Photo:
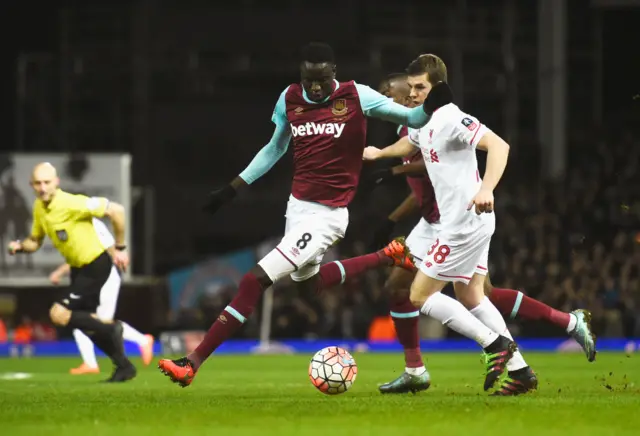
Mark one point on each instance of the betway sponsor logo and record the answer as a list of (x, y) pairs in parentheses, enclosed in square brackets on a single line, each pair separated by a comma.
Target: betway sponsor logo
[(312, 128)]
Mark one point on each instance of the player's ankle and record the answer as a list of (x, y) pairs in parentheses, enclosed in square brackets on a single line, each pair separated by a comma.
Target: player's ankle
[(384, 257), (417, 371), (573, 320)]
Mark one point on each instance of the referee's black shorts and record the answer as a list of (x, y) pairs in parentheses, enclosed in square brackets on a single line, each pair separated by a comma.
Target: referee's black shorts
[(87, 283)]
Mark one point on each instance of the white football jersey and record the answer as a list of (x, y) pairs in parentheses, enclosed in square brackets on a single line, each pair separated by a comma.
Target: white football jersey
[(448, 144)]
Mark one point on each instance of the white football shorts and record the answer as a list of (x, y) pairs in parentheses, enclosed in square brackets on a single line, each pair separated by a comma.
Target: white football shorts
[(456, 257), (311, 229), (421, 238)]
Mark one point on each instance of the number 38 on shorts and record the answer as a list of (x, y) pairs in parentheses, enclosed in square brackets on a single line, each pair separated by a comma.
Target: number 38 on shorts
[(439, 252), (457, 258)]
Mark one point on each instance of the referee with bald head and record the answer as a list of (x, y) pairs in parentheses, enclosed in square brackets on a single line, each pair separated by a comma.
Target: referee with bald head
[(68, 220)]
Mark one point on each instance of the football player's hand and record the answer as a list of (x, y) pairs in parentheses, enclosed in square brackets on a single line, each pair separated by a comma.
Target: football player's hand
[(218, 197), (382, 235), (121, 259), (371, 153), (483, 201), (439, 96), (14, 247)]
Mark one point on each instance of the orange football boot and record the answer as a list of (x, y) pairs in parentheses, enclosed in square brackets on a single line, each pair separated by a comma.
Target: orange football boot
[(398, 252), (179, 371), (84, 369), (146, 350)]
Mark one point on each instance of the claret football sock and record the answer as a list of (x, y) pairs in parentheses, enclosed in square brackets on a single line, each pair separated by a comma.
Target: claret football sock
[(230, 320), (405, 319), (514, 304), (336, 273)]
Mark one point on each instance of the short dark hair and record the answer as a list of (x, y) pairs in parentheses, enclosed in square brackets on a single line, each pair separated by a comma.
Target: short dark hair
[(431, 65), (317, 53), (385, 84)]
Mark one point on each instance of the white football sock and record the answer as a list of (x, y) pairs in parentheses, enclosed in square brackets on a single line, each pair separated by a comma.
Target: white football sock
[(573, 320), (415, 371), (132, 335), (455, 316), (492, 318), (87, 351)]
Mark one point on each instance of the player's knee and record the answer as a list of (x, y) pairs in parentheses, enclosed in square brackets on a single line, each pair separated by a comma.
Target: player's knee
[(260, 275), (470, 295), (487, 288), (59, 314), (309, 285), (273, 267), (418, 296)]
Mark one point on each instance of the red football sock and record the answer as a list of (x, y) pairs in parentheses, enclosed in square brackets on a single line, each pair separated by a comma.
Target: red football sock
[(405, 319), (230, 320), (514, 303), (335, 273)]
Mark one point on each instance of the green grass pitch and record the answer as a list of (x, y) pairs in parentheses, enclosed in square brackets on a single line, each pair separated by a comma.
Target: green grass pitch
[(272, 395)]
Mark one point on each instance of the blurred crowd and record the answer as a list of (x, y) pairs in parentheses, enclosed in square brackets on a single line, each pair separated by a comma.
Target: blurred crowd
[(573, 243)]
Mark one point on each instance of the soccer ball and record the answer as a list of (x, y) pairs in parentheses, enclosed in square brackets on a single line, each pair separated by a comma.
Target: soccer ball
[(333, 370)]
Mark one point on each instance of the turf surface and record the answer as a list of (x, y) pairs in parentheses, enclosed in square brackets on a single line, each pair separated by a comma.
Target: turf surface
[(263, 395)]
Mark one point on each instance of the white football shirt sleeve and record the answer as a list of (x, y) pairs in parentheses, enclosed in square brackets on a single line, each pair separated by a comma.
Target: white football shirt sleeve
[(414, 137), (468, 129)]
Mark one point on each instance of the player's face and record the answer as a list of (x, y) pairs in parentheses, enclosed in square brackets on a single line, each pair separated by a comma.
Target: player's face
[(317, 80), (399, 92), (419, 88), (44, 185)]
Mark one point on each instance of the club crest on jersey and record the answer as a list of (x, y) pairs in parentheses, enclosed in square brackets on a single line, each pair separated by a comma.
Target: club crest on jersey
[(62, 235), (339, 107), (469, 124)]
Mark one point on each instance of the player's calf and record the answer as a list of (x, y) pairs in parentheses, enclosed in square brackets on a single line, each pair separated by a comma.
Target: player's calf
[(112, 345)]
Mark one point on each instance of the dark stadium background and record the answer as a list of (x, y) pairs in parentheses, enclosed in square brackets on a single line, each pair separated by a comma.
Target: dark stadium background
[(188, 89)]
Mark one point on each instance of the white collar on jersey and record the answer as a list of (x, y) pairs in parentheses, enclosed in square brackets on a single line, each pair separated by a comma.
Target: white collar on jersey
[(304, 94)]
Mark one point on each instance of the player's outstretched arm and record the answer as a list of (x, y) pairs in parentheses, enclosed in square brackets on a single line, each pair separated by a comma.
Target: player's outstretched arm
[(259, 166), (400, 149), (377, 105), (117, 215), (417, 168), (30, 244), (58, 273), (378, 176), (497, 155), (261, 163), (404, 209)]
